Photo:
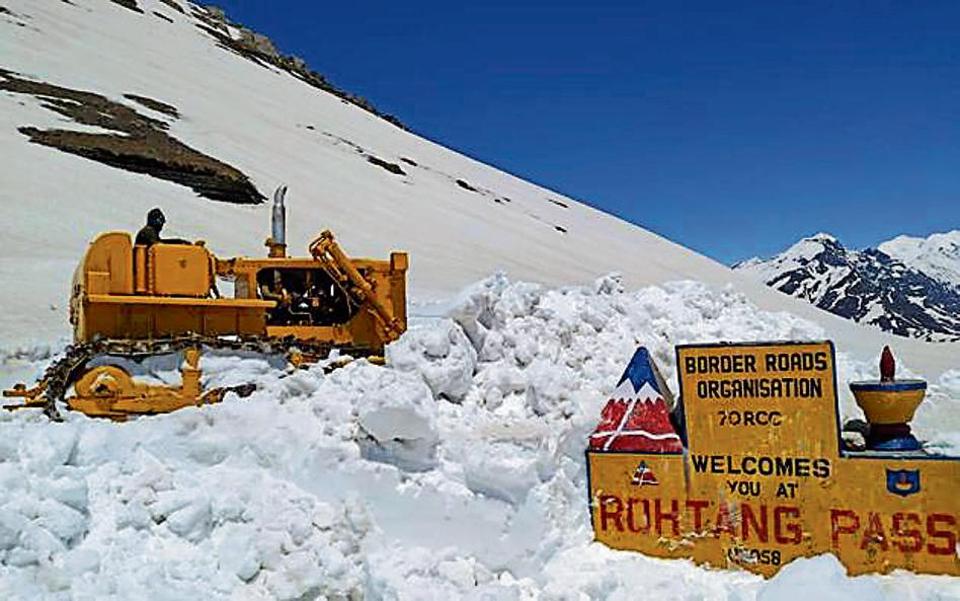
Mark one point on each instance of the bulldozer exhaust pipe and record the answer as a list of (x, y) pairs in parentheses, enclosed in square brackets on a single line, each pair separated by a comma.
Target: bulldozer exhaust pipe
[(278, 222)]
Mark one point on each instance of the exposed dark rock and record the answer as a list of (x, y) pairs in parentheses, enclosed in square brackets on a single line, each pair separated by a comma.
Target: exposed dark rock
[(150, 103), (463, 184), (560, 229), (174, 5), (340, 140), (163, 16), (498, 201), (212, 16), (559, 204), (408, 161), (139, 144), (391, 167), (173, 161), (131, 4), (507, 199), (258, 47), (360, 150), (87, 108), (310, 127), (6, 11), (263, 46)]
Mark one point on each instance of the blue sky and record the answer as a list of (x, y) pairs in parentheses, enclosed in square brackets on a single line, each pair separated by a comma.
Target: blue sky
[(731, 128)]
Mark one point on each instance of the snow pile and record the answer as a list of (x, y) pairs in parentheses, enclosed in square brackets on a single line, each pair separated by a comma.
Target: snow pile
[(822, 578), (950, 380), (546, 352), (79, 520), (456, 471)]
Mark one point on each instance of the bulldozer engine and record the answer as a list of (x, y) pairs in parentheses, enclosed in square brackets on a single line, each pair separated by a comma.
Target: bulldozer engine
[(136, 301), (304, 297)]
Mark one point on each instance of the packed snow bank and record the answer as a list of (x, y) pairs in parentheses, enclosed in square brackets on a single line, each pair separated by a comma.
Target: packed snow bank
[(825, 579), (456, 471)]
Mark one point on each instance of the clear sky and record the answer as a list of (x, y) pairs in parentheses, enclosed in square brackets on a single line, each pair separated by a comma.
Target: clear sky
[(731, 128)]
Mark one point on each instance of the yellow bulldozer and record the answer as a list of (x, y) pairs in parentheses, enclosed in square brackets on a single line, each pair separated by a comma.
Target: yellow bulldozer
[(132, 301)]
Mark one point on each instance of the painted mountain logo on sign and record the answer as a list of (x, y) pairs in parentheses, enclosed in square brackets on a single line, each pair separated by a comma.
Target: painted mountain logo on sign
[(643, 476), (636, 418)]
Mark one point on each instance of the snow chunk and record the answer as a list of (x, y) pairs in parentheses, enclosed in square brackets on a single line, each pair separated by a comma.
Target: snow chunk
[(396, 415), (822, 578), (441, 354)]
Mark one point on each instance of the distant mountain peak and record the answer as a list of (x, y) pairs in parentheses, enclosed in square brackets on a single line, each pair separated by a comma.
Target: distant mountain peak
[(824, 237), (937, 255), (813, 245), (872, 286)]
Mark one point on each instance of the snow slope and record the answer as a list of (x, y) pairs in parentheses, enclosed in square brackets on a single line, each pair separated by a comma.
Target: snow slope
[(277, 129), (937, 255)]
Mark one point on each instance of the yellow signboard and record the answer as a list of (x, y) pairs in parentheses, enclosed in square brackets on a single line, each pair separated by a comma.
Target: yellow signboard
[(764, 479)]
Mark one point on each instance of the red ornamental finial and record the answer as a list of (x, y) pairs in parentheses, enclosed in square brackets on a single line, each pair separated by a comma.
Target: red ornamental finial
[(887, 365)]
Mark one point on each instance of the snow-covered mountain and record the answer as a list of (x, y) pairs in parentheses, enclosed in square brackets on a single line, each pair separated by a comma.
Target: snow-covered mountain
[(866, 286), (937, 255)]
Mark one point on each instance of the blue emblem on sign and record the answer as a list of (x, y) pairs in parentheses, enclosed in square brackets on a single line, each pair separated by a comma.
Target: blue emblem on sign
[(903, 482)]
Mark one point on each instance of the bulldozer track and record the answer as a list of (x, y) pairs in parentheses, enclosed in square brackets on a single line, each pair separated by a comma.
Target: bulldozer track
[(63, 371)]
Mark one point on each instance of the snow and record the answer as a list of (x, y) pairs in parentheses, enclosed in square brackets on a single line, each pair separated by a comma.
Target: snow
[(821, 578), (457, 470), (443, 355), (377, 482), (625, 391)]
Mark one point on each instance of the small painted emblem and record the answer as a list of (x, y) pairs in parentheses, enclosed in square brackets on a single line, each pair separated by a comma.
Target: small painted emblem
[(903, 482), (643, 476)]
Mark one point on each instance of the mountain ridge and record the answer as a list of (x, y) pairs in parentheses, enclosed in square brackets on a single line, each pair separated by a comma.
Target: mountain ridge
[(865, 286), (937, 255)]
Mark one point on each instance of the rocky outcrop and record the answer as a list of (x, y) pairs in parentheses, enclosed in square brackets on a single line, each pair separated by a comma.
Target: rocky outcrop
[(258, 47)]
